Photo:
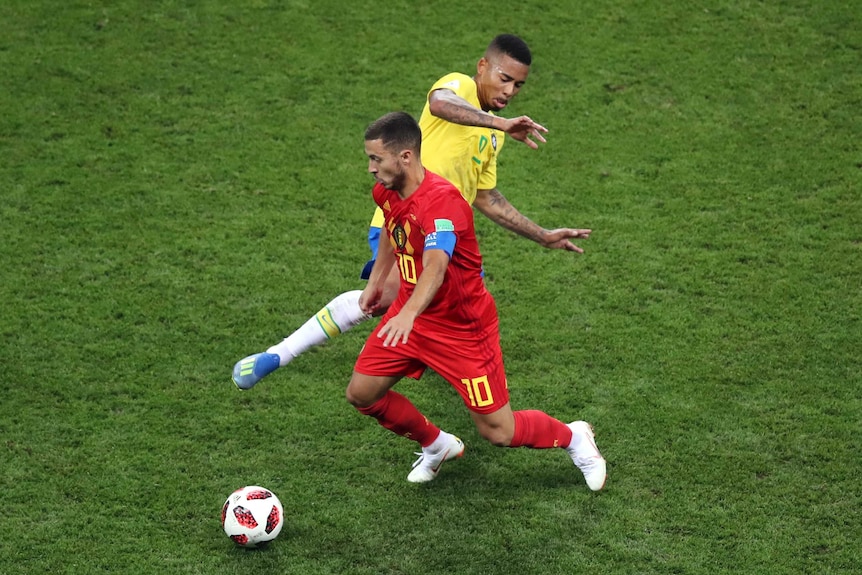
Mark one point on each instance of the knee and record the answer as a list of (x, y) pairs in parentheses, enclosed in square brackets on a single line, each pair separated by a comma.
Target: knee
[(363, 392), (357, 399), (356, 395), (497, 436), (351, 398)]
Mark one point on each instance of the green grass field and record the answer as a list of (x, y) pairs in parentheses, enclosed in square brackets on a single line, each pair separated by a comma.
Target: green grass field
[(183, 183)]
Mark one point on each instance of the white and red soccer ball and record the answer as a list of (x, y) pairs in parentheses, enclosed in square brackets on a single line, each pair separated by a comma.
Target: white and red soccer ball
[(252, 516)]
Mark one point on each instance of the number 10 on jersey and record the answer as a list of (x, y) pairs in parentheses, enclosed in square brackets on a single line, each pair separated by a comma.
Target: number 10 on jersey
[(478, 391), (407, 265)]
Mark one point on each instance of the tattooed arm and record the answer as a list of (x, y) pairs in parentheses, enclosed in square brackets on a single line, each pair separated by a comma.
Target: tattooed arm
[(498, 209), (449, 106)]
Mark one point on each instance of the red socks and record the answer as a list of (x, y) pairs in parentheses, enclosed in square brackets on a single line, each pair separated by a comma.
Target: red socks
[(395, 412), (538, 430), (533, 428)]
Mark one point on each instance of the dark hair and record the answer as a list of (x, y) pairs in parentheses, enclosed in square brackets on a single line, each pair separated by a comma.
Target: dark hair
[(513, 46), (397, 130)]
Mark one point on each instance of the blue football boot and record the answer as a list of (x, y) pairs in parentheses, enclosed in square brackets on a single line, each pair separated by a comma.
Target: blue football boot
[(247, 372)]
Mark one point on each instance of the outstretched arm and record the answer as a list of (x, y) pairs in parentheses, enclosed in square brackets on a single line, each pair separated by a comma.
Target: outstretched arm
[(498, 209), (451, 107)]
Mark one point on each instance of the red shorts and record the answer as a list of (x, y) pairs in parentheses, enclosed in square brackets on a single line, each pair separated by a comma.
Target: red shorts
[(473, 366)]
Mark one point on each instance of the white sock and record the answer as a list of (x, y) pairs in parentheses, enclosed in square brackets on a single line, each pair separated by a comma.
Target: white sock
[(577, 440), (336, 317), (439, 443)]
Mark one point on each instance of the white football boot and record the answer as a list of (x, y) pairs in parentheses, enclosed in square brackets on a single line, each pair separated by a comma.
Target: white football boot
[(586, 456), (429, 463)]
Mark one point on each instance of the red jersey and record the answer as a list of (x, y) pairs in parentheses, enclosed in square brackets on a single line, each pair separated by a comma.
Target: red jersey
[(462, 306)]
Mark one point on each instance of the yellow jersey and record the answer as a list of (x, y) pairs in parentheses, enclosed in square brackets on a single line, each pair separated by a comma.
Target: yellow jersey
[(464, 155)]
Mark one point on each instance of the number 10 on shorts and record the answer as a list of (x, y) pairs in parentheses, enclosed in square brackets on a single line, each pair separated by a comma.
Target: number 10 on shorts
[(479, 391)]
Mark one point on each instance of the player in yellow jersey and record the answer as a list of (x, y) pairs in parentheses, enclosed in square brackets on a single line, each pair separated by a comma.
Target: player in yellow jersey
[(461, 138)]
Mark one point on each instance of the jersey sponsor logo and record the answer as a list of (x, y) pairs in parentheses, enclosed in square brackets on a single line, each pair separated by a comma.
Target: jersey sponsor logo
[(444, 225), (494, 141), (453, 84)]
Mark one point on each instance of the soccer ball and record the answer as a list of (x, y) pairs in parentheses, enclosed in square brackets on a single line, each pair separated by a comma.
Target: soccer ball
[(252, 516)]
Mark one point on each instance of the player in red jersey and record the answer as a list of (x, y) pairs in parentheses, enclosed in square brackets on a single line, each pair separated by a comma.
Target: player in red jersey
[(443, 317)]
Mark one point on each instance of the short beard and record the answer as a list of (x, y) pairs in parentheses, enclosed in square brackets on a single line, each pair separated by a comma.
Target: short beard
[(398, 181)]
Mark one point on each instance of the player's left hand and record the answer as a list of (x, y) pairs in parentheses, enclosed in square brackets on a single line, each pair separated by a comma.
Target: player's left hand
[(525, 130), (396, 330), (559, 239)]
